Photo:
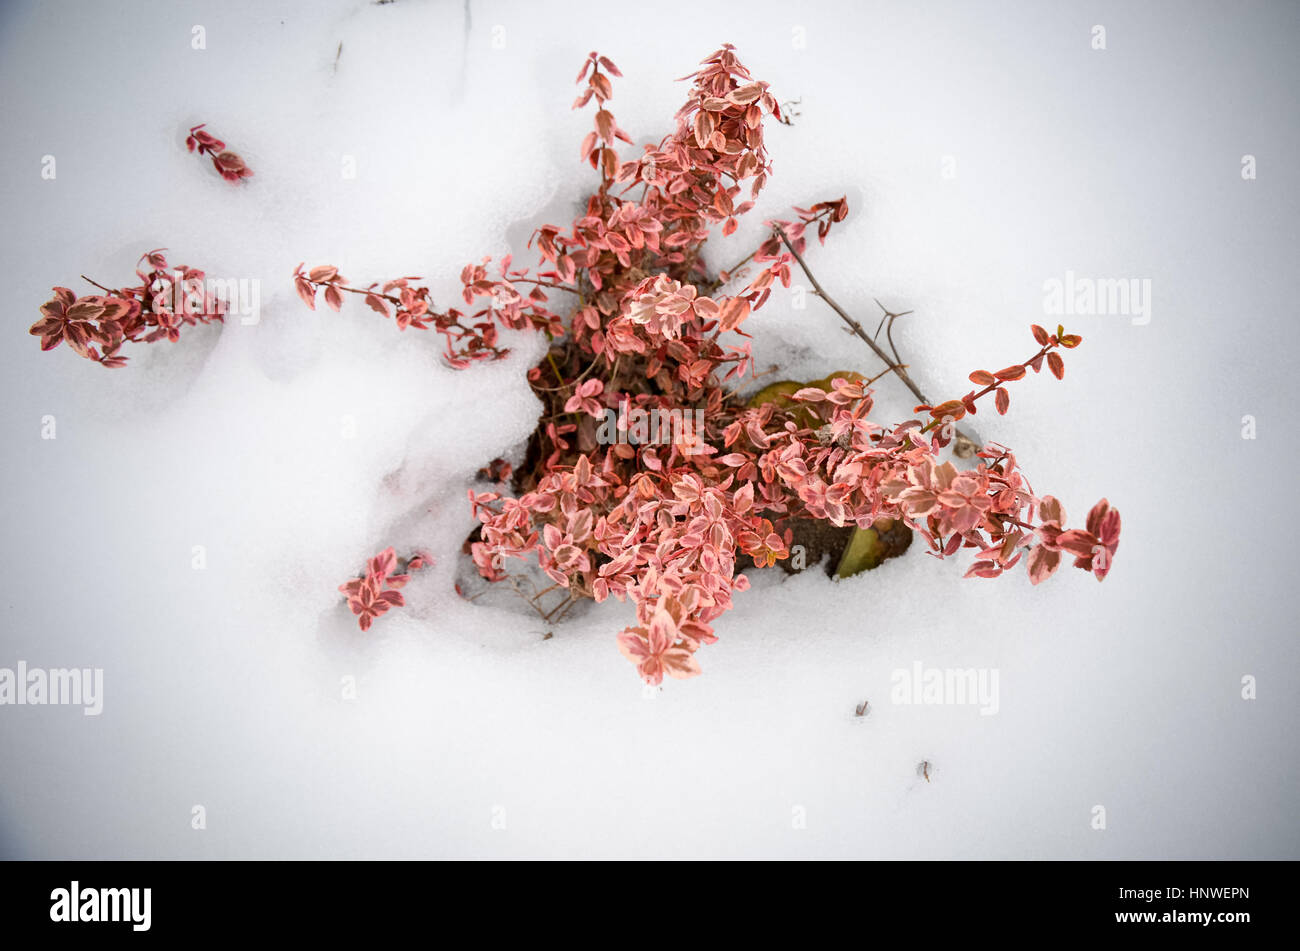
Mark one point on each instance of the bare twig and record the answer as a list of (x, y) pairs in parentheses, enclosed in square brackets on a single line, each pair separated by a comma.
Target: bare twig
[(964, 445), (568, 387), (97, 284), (854, 326), (885, 372), (563, 608)]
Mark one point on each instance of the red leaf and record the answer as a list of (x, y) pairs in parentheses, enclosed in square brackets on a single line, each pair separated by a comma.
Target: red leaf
[(1040, 335), (982, 378), (1042, 564), (1056, 364), (734, 312), (1003, 399), (953, 408), (1011, 373), (307, 292), (1076, 542)]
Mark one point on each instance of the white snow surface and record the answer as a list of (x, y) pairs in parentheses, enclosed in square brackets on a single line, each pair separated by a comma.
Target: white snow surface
[(471, 734)]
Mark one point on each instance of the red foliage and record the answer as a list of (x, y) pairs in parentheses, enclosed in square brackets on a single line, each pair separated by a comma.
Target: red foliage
[(228, 165), (663, 522), (376, 591), (97, 325)]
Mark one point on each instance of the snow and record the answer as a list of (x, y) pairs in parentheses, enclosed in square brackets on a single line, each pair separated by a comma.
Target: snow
[(472, 734)]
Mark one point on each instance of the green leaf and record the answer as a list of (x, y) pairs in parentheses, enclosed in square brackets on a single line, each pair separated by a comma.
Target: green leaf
[(863, 552), (868, 547), (778, 393)]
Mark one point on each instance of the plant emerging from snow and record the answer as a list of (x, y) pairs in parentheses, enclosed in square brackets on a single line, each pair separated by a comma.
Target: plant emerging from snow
[(377, 590), (663, 524)]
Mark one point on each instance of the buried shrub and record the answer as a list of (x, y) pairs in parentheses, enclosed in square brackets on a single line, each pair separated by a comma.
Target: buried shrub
[(610, 500), (611, 505)]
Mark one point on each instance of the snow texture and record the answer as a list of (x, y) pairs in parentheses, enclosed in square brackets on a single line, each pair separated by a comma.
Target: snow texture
[(471, 733)]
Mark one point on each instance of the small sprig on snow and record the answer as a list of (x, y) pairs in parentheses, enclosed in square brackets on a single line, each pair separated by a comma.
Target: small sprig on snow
[(516, 301), (96, 326), (953, 410), (228, 164), (373, 593)]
